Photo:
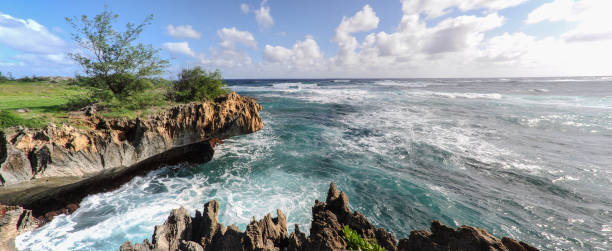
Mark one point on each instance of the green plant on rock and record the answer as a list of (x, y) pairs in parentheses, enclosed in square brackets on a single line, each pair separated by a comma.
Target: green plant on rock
[(196, 84), (356, 242)]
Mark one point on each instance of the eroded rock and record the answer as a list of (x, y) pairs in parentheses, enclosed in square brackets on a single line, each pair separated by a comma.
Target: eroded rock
[(329, 217), (14, 220)]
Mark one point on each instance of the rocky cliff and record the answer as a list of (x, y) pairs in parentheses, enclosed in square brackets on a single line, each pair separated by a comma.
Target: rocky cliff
[(14, 220), (204, 232), (49, 171)]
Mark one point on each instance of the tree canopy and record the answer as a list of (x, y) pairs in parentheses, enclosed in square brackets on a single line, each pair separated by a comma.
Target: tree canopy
[(114, 60)]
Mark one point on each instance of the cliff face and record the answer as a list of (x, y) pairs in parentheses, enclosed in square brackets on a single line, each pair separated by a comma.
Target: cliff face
[(66, 151), (47, 172), (204, 232)]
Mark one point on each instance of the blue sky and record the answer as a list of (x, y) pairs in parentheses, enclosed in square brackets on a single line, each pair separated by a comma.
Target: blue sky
[(348, 38)]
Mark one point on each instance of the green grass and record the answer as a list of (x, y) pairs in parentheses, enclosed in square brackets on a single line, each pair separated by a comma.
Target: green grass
[(44, 101), (356, 242), (9, 118)]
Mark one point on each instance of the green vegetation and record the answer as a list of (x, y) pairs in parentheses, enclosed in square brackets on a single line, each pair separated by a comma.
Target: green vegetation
[(9, 118), (117, 68), (43, 101), (119, 79), (356, 242), (5, 78), (197, 84)]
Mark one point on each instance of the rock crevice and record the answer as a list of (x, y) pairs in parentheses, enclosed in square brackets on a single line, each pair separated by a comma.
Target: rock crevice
[(204, 232)]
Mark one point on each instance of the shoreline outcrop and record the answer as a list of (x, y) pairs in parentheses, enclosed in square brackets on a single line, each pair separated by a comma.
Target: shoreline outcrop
[(48, 171), (204, 232)]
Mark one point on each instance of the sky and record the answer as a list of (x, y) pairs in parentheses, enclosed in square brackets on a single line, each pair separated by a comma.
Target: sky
[(330, 38)]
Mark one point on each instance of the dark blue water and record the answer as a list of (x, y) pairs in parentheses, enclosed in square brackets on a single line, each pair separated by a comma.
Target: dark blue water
[(525, 158)]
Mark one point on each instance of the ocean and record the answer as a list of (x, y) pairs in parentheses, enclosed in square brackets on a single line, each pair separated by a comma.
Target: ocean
[(528, 158)]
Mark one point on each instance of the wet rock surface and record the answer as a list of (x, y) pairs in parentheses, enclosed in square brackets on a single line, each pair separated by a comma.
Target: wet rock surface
[(204, 232)]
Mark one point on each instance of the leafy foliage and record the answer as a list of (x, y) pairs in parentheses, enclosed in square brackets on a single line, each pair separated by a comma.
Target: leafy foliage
[(112, 59), (356, 242), (9, 118), (141, 94), (197, 84)]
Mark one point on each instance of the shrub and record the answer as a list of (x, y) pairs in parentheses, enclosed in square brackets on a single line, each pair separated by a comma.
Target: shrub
[(197, 84), (9, 118), (356, 242), (141, 93)]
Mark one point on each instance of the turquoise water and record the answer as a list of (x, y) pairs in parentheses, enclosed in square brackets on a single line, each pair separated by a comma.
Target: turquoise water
[(525, 158)]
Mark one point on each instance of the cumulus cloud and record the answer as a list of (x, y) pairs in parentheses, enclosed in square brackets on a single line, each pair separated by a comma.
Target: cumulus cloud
[(263, 17), (592, 18), (182, 31), (461, 32), (179, 48), (245, 8), (363, 20), (230, 36), (28, 36), (304, 54)]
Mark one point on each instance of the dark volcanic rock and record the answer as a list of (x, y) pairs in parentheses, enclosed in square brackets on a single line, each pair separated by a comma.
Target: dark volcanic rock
[(328, 219), (442, 237)]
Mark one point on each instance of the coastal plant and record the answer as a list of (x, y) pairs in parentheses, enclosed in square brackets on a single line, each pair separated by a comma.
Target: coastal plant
[(111, 59), (356, 242), (197, 84)]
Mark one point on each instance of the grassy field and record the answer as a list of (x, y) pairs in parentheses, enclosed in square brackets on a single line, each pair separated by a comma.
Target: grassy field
[(43, 101)]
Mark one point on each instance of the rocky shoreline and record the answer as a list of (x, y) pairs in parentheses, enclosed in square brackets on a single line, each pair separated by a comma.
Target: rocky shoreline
[(49, 171), (204, 232)]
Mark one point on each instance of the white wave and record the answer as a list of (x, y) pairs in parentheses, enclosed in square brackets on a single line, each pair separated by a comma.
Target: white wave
[(403, 83), (564, 178), (104, 221), (341, 80), (539, 90), (455, 95)]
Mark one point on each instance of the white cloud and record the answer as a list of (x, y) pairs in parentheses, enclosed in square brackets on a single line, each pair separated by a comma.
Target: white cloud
[(442, 7), (455, 34), (363, 20), (263, 17), (230, 36), (245, 8), (277, 54), (453, 46), (592, 17), (304, 54), (28, 36), (179, 48), (182, 31)]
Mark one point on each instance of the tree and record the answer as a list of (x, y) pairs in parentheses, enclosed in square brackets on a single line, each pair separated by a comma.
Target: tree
[(112, 59), (197, 84)]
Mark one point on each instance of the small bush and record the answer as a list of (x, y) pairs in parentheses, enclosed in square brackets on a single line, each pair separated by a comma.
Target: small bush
[(9, 118), (356, 242), (138, 94), (197, 84)]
